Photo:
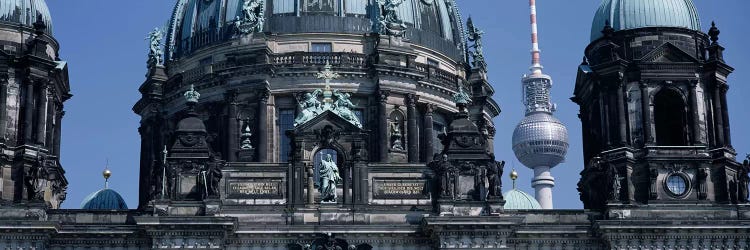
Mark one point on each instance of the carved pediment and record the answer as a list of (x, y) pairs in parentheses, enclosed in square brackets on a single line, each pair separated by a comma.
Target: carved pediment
[(668, 53), (328, 118)]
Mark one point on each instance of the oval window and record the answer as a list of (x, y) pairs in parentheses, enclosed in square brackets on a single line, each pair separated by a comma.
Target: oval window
[(677, 184)]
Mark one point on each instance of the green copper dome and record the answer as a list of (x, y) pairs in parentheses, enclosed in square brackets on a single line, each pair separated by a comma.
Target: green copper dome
[(25, 12), (517, 199), (634, 14), (105, 199)]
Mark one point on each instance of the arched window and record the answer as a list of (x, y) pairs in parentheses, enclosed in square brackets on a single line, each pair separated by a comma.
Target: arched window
[(319, 156), (396, 131), (670, 118)]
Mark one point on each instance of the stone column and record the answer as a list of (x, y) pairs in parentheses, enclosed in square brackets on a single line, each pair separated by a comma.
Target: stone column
[(28, 119), (694, 112), (622, 111), (427, 132), (263, 96), (3, 108), (648, 138), (41, 114), (718, 116), (50, 125), (58, 127), (232, 127), (607, 129), (383, 125), (413, 136), (725, 115)]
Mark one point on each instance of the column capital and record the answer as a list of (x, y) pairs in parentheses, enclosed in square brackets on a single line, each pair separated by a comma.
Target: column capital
[(429, 108), (231, 96), (411, 100), (264, 94), (383, 95), (644, 83)]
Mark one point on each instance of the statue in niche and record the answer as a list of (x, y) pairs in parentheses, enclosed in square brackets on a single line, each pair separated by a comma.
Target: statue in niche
[(390, 22), (744, 180), (35, 182), (329, 178), (309, 107), (343, 107), (155, 51), (475, 36), (209, 178), (444, 176), (396, 142), (616, 183), (252, 17), (494, 178)]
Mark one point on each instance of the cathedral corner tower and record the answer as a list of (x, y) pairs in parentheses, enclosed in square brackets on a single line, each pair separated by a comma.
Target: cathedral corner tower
[(652, 95)]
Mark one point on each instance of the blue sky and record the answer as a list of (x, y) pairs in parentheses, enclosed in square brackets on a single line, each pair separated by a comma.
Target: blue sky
[(103, 41)]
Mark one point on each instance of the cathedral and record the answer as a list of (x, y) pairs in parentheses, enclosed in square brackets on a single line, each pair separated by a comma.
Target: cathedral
[(369, 124)]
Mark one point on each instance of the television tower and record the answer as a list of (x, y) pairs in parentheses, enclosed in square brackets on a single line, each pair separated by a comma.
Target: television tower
[(540, 141)]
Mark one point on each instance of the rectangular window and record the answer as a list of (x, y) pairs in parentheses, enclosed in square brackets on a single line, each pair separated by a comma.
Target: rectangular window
[(321, 47), (286, 122), (433, 63), (361, 116), (323, 7)]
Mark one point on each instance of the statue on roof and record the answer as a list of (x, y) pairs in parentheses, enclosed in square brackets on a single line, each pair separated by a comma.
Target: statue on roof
[(343, 107), (155, 53), (390, 22), (461, 98), (252, 17), (475, 35), (309, 107)]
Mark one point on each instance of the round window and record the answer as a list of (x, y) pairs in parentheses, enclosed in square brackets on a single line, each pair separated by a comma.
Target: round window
[(677, 184)]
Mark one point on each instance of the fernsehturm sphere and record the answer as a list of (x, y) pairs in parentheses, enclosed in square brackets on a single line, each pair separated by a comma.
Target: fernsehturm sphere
[(540, 140)]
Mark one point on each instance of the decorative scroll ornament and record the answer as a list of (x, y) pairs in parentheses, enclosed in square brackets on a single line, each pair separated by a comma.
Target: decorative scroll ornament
[(475, 36), (390, 22), (311, 106), (252, 17), (155, 53)]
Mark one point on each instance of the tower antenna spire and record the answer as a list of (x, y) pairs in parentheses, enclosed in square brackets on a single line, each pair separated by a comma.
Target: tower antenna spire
[(536, 63)]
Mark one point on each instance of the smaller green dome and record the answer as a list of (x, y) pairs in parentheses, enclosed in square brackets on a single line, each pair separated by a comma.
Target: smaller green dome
[(634, 14), (105, 199), (519, 200)]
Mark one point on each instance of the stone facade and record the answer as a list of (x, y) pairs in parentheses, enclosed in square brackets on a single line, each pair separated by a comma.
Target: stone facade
[(224, 167)]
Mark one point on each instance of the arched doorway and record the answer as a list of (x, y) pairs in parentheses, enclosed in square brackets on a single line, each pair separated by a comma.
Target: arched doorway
[(670, 118)]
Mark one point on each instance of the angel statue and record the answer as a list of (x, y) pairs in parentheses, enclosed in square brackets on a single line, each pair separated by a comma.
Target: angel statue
[(343, 107), (155, 51), (475, 35), (309, 107)]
